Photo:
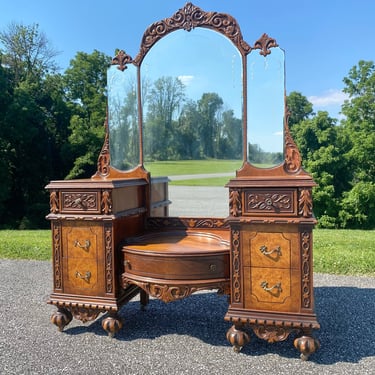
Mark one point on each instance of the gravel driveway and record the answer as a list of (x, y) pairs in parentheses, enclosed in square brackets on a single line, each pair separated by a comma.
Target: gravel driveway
[(184, 337)]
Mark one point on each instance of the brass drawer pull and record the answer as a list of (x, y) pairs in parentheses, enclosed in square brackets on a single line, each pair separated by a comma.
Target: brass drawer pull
[(277, 286), (85, 246), (264, 250), (85, 277), (127, 264), (213, 267)]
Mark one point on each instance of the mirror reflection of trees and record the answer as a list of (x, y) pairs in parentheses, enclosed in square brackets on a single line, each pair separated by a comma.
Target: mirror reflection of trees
[(179, 128)]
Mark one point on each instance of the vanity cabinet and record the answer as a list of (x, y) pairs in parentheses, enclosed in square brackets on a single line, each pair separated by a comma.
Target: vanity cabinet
[(271, 261), (89, 219)]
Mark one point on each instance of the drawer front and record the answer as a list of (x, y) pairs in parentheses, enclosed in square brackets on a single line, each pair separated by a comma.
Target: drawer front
[(81, 276), (83, 248), (272, 289), (267, 249), (82, 241), (78, 202), (177, 268), (270, 202)]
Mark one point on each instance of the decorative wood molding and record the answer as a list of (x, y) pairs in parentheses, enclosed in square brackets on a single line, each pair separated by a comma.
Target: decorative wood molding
[(188, 18), (236, 267), (84, 314), (235, 207), (54, 202), (292, 163), (72, 201), (57, 267), (106, 202), (121, 59), (190, 223), (272, 333), (108, 258), (104, 159), (305, 203), (264, 43), (269, 201), (306, 291)]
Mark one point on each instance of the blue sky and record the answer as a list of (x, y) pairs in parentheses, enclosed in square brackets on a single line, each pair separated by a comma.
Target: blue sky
[(323, 39)]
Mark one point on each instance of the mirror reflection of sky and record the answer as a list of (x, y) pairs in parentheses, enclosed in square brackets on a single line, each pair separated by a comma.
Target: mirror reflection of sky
[(204, 61)]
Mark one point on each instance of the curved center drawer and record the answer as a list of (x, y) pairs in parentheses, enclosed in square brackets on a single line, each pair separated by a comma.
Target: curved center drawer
[(177, 256)]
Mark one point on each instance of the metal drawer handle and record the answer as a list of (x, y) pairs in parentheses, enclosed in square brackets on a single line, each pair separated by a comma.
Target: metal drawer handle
[(264, 250), (85, 246), (85, 277), (277, 286), (213, 267)]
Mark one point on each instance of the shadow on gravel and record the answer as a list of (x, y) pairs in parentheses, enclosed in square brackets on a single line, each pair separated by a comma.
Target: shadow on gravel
[(346, 316)]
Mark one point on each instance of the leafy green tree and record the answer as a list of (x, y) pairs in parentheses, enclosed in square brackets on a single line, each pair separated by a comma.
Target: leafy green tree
[(85, 85), (299, 107)]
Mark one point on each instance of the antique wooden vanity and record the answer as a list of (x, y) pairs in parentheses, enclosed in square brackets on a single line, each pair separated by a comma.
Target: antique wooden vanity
[(113, 237)]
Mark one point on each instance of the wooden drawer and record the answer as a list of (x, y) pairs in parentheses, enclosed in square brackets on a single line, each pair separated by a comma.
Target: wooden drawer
[(82, 245), (80, 201), (271, 250), (272, 289)]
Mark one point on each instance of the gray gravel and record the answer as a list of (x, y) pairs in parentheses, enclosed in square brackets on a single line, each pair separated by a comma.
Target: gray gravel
[(184, 337)]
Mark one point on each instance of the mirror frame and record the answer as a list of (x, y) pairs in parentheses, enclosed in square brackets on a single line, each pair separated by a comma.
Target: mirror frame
[(188, 18)]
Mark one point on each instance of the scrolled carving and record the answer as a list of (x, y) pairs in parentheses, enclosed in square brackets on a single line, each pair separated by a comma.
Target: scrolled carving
[(56, 233), (292, 162), (187, 18), (104, 159), (272, 333), (264, 43), (121, 59), (79, 201), (84, 314), (108, 258), (178, 222), (269, 201)]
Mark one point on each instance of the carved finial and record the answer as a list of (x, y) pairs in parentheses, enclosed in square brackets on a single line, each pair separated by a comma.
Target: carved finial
[(121, 59), (264, 43)]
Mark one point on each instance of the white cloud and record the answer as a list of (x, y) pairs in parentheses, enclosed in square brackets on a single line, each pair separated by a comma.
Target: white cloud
[(328, 98), (278, 133), (186, 80)]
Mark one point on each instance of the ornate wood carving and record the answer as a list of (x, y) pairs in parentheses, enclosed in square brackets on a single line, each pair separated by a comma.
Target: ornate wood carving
[(56, 233), (175, 222), (305, 203), (187, 18), (106, 202), (79, 201), (84, 314), (264, 43), (108, 258), (104, 159), (306, 283), (121, 59), (272, 333), (269, 201), (236, 267), (171, 292), (54, 201), (292, 163), (235, 207)]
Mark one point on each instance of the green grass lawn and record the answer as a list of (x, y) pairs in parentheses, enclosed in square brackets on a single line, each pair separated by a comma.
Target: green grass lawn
[(344, 252)]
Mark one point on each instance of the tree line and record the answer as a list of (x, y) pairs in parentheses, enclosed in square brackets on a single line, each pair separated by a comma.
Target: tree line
[(51, 127)]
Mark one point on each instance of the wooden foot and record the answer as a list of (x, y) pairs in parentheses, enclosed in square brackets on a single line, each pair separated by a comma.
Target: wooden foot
[(61, 318), (237, 337), (307, 345), (112, 324)]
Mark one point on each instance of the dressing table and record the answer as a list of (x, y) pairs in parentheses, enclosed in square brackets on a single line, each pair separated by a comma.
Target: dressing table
[(113, 237)]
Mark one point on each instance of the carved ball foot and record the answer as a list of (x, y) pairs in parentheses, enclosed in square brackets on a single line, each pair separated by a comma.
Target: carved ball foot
[(307, 345), (61, 318), (237, 338), (112, 324)]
